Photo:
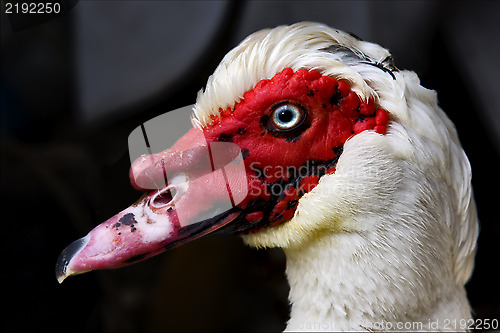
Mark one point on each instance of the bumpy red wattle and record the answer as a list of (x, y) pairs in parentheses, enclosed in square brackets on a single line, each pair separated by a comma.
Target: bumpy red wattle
[(334, 114)]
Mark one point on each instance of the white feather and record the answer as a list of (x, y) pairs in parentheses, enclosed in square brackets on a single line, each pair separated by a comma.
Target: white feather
[(267, 52), (391, 236)]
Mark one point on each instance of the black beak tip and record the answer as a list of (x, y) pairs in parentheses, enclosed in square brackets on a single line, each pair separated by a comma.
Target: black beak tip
[(65, 257)]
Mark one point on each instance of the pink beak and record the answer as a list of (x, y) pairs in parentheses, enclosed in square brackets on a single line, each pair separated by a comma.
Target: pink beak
[(194, 189)]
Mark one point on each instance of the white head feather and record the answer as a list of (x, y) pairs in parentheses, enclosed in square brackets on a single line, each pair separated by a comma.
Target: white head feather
[(267, 52), (392, 234)]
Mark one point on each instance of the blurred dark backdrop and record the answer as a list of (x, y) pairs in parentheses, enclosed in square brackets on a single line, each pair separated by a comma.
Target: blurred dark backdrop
[(73, 88)]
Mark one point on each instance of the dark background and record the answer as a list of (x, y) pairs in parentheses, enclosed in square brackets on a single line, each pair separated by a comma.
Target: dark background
[(75, 86)]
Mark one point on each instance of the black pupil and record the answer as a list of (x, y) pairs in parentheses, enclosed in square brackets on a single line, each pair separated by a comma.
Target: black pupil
[(285, 116)]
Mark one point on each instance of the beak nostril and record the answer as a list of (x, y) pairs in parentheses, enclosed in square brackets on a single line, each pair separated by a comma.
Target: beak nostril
[(169, 195), (163, 197)]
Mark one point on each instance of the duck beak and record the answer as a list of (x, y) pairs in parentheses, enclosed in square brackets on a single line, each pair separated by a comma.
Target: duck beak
[(192, 190), (134, 234)]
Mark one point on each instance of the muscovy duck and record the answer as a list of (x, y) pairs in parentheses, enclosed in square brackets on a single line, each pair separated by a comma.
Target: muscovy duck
[(349, 165)]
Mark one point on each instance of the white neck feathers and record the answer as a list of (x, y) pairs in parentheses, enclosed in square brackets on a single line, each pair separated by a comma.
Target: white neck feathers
[(354, 282)]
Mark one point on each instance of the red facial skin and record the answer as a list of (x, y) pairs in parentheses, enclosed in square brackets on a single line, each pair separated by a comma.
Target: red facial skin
[(281, 166), (334, 114)]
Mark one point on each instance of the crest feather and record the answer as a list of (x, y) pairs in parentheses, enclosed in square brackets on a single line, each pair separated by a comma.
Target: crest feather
[(303, 45)]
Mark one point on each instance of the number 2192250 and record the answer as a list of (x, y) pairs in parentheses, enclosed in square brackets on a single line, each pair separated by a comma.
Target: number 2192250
[(32, 8)]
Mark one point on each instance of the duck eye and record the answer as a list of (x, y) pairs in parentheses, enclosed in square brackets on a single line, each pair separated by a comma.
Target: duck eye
[(286, 116)]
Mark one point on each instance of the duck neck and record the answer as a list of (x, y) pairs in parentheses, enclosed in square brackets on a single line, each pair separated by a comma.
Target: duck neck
[(349, 282)]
